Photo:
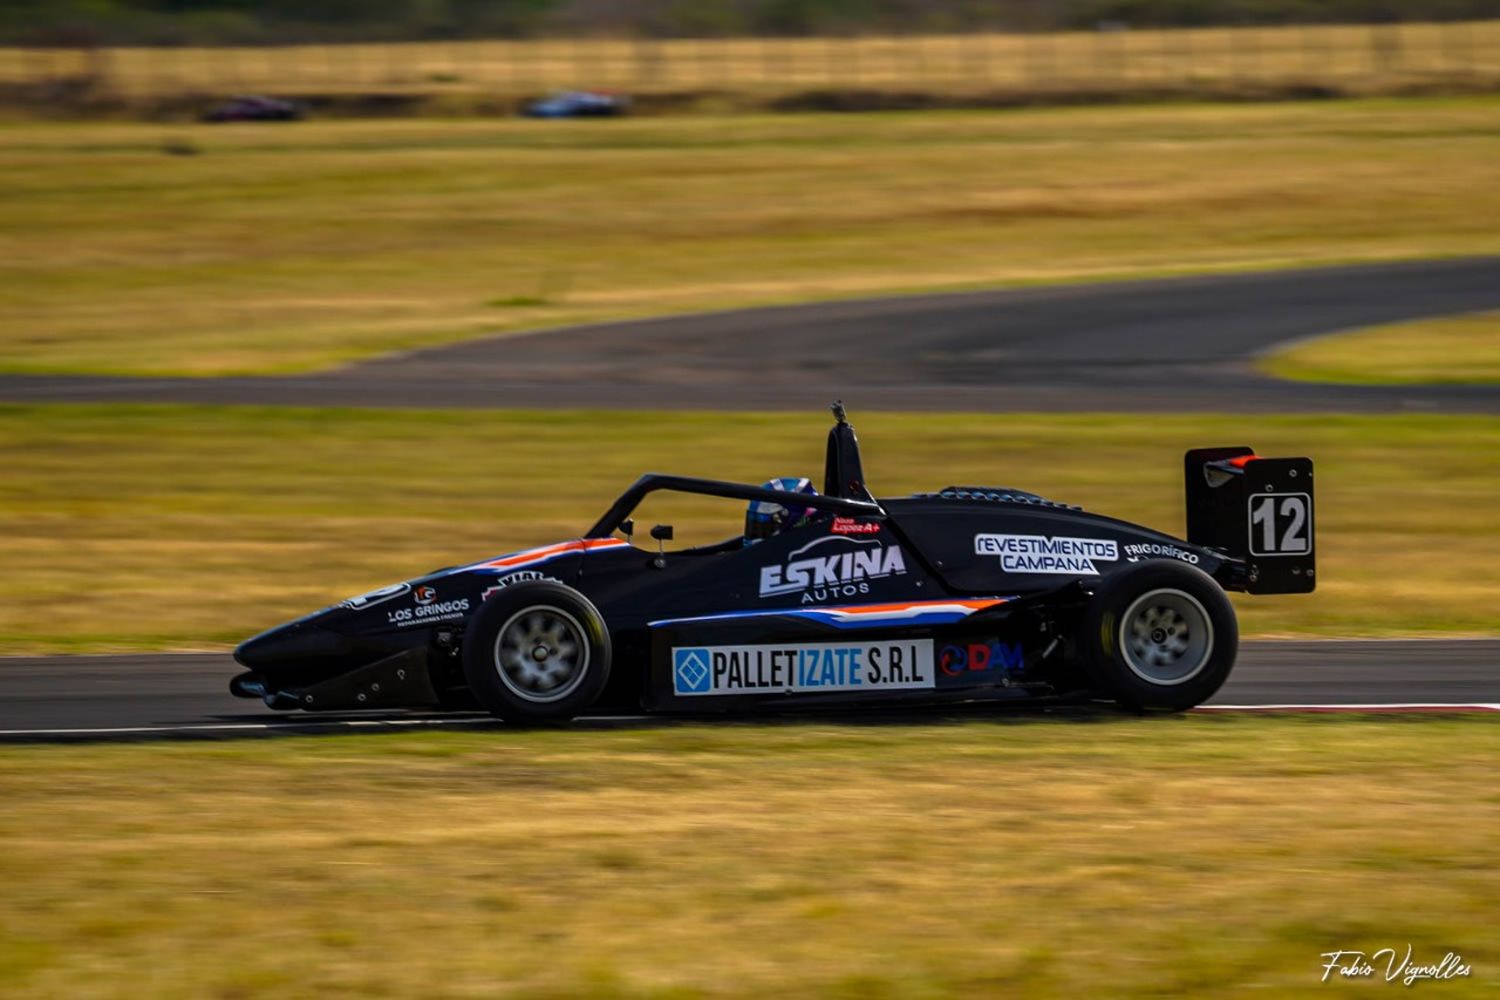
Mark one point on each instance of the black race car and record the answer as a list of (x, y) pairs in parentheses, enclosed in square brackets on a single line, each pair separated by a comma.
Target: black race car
[(962, 594)]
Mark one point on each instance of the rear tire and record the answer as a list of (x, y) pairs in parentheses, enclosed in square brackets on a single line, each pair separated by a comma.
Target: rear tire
[(1160, 635), (537, 652)]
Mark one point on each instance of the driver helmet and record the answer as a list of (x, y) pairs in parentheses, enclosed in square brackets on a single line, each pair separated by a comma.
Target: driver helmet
[(763, 519)]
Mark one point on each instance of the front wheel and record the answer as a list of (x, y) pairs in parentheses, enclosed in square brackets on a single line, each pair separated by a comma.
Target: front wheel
[(536, 652), (1159, 635)]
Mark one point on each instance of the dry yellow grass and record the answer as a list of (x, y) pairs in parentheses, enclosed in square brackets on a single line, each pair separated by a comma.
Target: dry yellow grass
[(1455, 349), (1357, 57), (298, 247), (988, 857)]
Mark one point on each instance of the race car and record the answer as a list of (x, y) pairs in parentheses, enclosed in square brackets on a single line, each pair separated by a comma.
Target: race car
[(253, 108), (965, 593), (578, 104)]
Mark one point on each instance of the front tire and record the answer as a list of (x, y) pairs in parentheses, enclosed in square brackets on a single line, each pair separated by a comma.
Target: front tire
[(1159, 635), (537, 652)]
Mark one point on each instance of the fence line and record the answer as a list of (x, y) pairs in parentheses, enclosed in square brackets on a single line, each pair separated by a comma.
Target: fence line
[(1165, 58)]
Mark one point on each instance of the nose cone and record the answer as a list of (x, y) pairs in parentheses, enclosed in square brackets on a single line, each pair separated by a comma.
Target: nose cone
[(291, 645)]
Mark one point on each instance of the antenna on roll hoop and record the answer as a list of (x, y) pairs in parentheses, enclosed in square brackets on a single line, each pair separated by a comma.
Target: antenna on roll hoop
[(842, 474)]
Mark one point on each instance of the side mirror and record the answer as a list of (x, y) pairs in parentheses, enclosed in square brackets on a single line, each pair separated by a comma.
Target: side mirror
[(663, 534), (628, 526)]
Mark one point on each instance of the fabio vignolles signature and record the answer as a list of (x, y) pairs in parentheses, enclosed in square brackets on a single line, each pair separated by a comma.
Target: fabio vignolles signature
[(1354, 965)]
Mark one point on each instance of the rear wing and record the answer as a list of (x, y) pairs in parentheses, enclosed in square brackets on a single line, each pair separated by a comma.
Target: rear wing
[(1256, 509)]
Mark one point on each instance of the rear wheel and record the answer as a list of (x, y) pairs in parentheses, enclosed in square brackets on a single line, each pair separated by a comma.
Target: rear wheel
[(1159, 634), (537, 652)]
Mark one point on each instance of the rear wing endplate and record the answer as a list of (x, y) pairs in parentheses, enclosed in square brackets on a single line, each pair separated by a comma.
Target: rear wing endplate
[(1256, 509)]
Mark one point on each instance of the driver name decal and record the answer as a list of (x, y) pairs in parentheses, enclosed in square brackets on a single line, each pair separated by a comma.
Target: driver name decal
[(842, 571), (801, 668), (1047, 554)]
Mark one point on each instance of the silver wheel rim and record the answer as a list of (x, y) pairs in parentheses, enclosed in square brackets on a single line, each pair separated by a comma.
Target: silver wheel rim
[(541, 654), (1166, 637)]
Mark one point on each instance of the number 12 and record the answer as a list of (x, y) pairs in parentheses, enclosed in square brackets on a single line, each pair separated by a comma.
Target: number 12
[(1278, 522)]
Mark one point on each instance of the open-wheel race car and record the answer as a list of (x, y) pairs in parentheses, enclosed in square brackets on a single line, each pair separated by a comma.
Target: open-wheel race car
[(835, 598)]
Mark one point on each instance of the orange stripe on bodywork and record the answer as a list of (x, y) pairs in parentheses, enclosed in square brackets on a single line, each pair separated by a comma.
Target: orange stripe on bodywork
[(871, 609), (548, 551)]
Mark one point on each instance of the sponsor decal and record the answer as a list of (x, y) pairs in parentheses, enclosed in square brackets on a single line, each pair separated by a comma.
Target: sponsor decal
[(1047, 554), (981, 660), (422, 614), (829, 575), (1151, 550), (850, 526), (797, 668), (525, 576), (424, 595), (375, 597), (691, 673)]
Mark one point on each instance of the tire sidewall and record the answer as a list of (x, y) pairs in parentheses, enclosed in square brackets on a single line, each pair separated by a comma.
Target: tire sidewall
[(1099, 639), (483, 632)]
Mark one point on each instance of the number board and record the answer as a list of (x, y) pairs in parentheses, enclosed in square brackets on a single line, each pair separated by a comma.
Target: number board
[(1278, 529)]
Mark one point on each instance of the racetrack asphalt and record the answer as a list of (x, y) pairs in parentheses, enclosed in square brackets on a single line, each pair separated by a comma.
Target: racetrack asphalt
[(1173, 345), (163, 695)]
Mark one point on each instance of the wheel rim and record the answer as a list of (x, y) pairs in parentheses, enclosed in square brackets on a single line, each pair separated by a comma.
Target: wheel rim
[(541, 654), (1166, 637)]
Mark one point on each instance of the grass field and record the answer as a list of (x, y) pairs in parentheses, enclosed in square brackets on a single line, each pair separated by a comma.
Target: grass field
[(152, 527), (1041, 857), (1453, 349), (197, 249), (1235, 61)]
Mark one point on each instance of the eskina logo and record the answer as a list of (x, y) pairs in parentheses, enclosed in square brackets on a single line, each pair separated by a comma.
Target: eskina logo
[(1043, 554), (690, 670), (843, 573)]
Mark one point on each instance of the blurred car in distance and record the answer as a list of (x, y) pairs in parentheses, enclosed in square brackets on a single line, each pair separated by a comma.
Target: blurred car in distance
[(252, 108), (578, 104)]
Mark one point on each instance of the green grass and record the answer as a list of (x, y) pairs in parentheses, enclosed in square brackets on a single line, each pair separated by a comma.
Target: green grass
[(192, 527), (290, 248), (1192, 856), (1453, 349)]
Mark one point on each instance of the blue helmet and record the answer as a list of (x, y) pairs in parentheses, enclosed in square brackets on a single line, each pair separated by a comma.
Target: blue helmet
[(764, 518)]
